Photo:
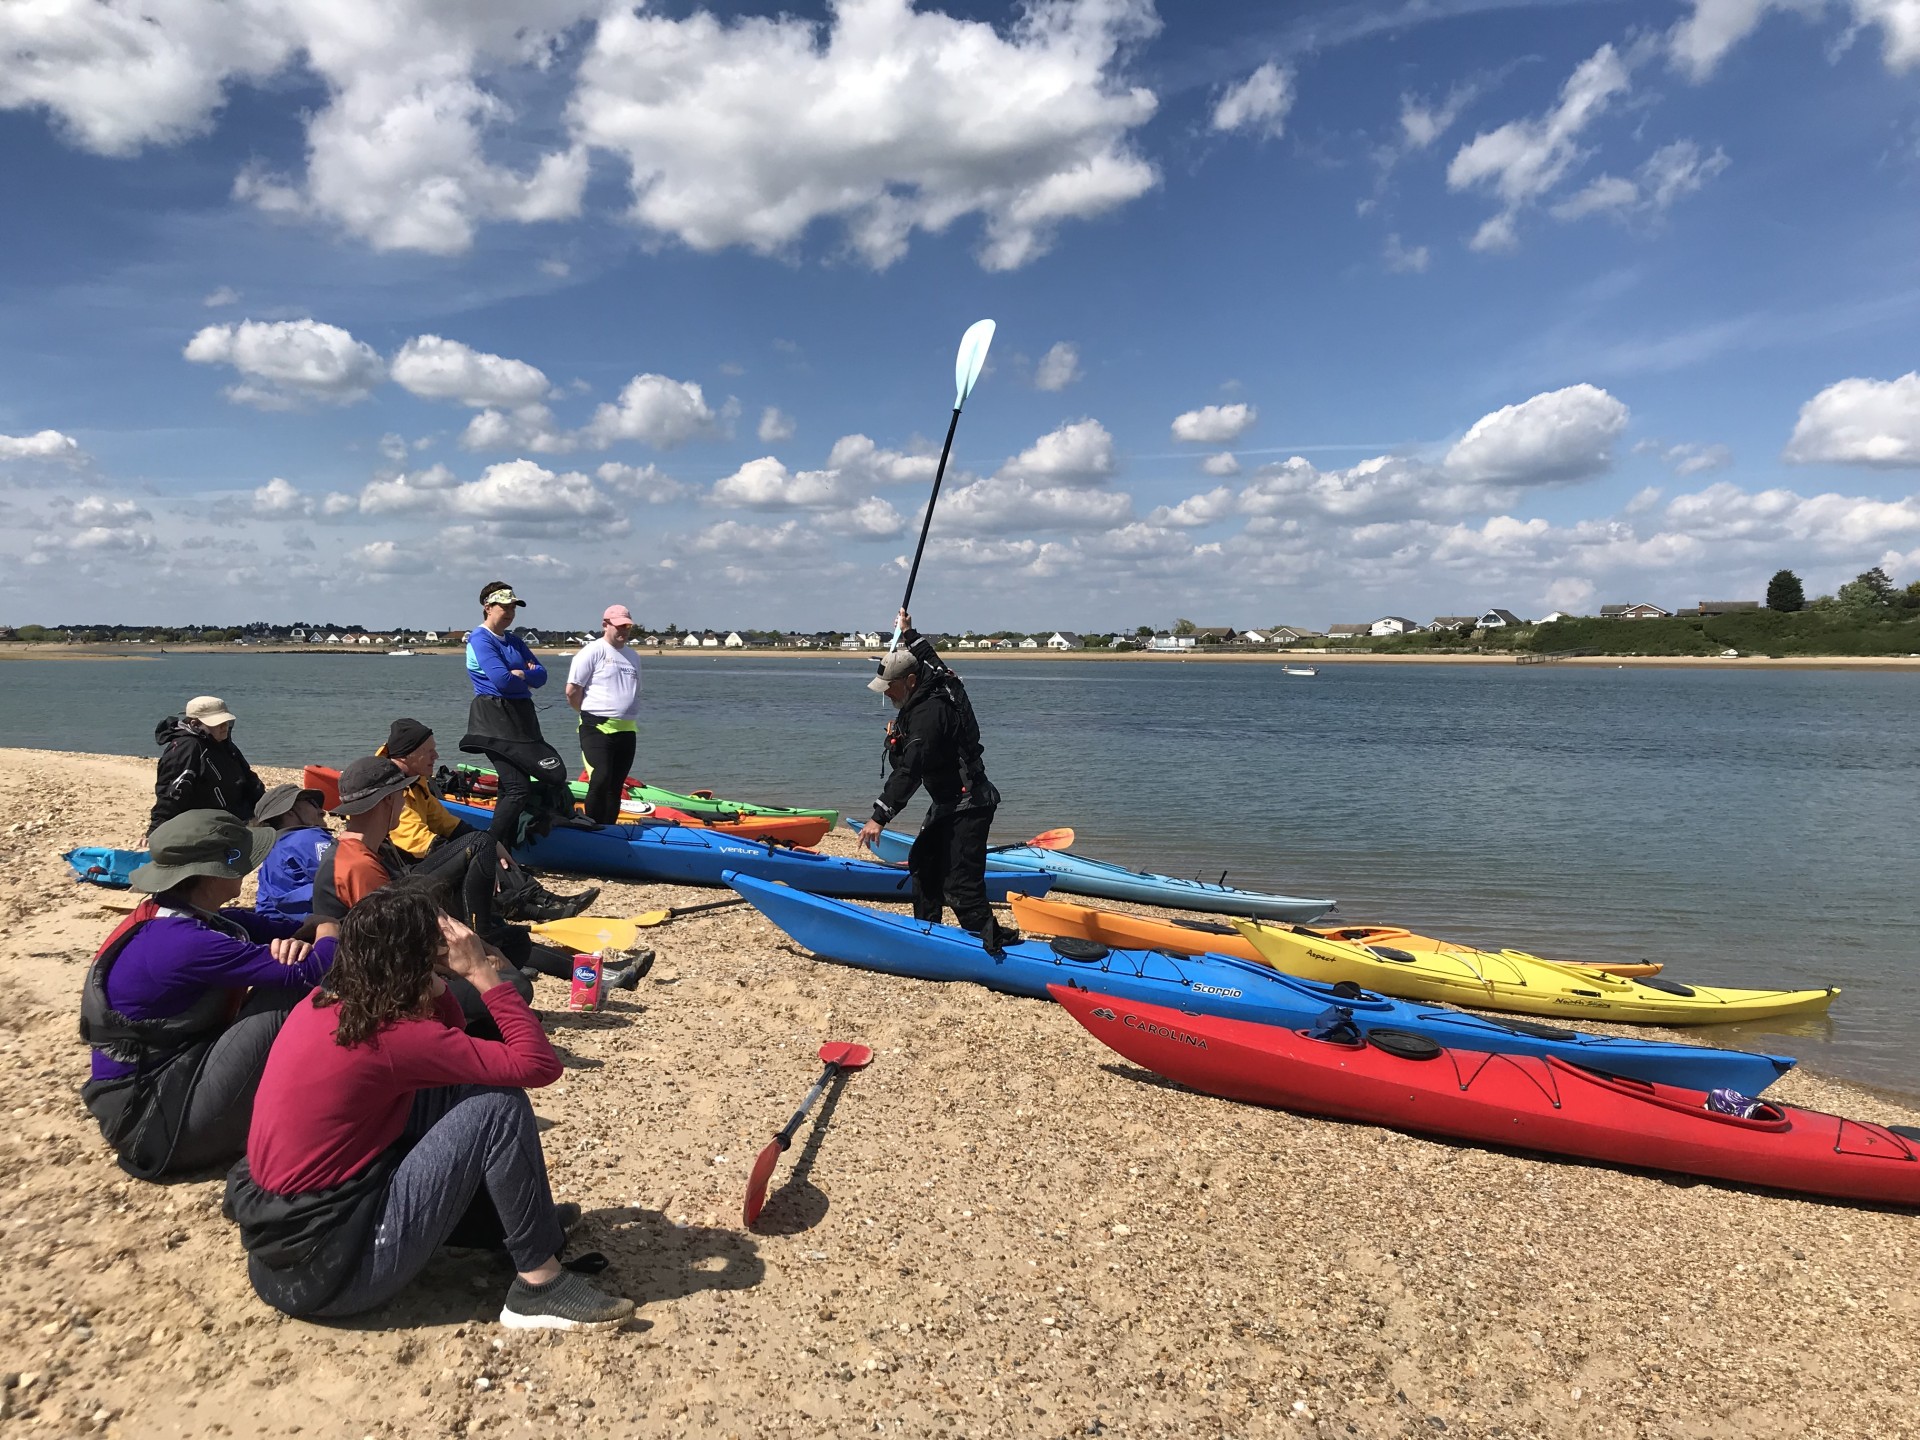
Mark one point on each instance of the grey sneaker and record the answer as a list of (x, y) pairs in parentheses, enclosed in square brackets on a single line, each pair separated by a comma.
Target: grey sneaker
[(566, 1303)]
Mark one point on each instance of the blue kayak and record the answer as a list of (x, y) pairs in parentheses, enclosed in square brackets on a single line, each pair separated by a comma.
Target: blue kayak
[(1219, 985), (1078, 875), (690, 855)]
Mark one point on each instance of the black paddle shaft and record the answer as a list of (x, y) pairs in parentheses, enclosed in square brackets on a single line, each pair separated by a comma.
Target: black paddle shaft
[(791, 1128), (906, 601)]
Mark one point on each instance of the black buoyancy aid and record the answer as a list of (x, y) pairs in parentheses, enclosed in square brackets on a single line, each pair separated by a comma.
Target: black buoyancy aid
[(965, 783), (140, 1114)]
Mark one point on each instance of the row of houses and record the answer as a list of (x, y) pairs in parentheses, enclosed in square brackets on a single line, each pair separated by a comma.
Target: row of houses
[(1644, 611)]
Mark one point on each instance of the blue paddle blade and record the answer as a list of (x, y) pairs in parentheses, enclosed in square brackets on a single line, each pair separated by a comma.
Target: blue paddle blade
[(971, 360)]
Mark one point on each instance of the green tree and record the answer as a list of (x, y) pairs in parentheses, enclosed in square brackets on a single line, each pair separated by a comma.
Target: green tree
[(1785, 593), (1910, 597), (1145, 631), (1868, 591), (1184, 627)]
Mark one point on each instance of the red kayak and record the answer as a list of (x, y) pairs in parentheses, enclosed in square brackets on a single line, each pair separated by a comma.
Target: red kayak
[(1526, 1102)]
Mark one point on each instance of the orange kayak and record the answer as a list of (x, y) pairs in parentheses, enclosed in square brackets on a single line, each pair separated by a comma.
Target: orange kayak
[(1202, 937), (799, 830)]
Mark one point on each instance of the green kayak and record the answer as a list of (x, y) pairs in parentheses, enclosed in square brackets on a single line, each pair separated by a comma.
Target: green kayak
[(703, 806)]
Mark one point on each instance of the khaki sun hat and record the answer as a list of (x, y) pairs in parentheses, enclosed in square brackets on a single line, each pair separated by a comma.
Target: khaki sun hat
[(893, 665), (208, 710)]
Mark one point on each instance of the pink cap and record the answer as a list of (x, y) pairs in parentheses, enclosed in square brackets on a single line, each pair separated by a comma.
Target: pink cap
[(618, 614)]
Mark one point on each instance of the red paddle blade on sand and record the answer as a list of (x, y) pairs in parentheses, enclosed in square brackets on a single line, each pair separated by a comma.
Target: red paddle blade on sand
[(839, 1056)]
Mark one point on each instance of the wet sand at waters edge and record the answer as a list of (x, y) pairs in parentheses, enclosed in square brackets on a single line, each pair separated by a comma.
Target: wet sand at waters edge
[(998, 1229)]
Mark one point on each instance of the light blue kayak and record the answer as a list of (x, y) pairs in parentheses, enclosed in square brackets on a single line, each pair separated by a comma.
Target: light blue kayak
[(1079, 875), (897, 944)]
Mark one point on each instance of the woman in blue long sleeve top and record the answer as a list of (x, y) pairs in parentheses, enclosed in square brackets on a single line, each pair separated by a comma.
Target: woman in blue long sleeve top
[(503, 725), (183, 1001)]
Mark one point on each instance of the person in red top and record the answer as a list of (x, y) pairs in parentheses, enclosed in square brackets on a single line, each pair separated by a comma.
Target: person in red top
[(381, 1127)]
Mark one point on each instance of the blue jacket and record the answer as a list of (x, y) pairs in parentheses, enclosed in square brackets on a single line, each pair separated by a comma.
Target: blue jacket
[(492, 659), (286, 875)]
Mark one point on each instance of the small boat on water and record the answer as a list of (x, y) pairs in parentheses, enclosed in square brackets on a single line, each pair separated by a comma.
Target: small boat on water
[(399, 652), (1305, 672)]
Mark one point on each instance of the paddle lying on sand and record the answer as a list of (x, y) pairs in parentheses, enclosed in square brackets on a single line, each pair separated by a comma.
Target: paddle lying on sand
[(967, 366), (840, 1057), (597, 932)]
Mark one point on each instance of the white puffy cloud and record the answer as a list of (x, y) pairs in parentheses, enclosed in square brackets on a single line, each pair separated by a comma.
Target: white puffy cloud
[(1001, 504), (872, 464), (438, 369), (285, 362), (520, 490), (530, 427), (766, 484), (1215, 424), (732, 537), (1422, 123), (775, 425), (1206, 508), (646, 483), (92, 512), (1671, 173), (1698, 43), (1860, 422), (1258, 103), (42, 445), (1524, 159), (869, 519), (404, 494), (1725, 512), (1686, 458), (1058, 368), (886, 118), (1559, 436), (1076, 454), (1223, 463), (656, 411), (279, 500)]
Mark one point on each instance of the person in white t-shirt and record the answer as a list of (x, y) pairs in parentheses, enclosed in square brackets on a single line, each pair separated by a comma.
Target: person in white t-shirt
[(603, 684)]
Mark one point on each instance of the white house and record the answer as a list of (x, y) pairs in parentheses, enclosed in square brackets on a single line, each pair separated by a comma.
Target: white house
[(297, 634), (1639, 611), (734, 642), (1029, 643), (363, 639), (1498, 620), (1252, 637), (1558, 615), (432, 637), (691, 642), (1393, 625), (1287, 634), (964, 645), (1063, 640), (870, 638), (709, 640), (1164, 641)]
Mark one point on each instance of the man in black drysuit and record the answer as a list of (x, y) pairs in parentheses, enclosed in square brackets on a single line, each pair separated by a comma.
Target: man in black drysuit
[(935, 741)]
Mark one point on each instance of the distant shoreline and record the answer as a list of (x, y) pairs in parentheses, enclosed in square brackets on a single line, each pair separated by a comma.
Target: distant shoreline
[(110, 652)]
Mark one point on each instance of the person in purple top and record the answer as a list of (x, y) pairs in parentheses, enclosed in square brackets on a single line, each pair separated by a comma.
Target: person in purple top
[(503, 725), (183, 1001)]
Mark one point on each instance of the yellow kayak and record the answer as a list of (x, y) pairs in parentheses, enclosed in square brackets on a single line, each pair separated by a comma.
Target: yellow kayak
[(1519, 983), (1124, 931)]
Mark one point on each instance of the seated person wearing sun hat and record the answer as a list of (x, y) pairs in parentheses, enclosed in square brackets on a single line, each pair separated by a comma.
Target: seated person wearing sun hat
[(200, 766), (183, 1000), (285, 882)]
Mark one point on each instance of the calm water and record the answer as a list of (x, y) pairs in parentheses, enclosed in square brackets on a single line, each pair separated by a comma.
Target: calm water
[(1746, 827)]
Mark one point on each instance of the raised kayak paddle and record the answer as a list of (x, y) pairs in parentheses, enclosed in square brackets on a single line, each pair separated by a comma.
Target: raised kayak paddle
[(839, 1056)]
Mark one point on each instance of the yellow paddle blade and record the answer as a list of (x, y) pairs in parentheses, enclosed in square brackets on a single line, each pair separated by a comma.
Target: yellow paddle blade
[(1059, 839), (590, 934)]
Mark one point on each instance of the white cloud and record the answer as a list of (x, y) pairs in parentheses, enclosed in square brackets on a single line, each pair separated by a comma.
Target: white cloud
[(775, 425), (1687, 458), (854, 466), (1570, 593), (1405, 260), (1058, 368), (285, 362), (437, 369), (520, 490), (1860, 422), (1671, 173), (1224, 463), (1076, 454), (870, 519), (1559, 436), (42, 445), (1524, 159), (886, 118), (279, 500), (1724, 512), (656, 411), (871, 464), (641, 482), (766, 484), (224, 295), (530, 427), (1203, 509), (1002, 504), (1215, 424), (1422, 123), (1699, 42), (97, 512), (1258, 103), (419, 492), (731, 537)]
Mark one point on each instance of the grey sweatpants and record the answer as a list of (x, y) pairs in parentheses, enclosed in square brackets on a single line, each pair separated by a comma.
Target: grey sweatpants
[(466, 1137), (214, 1131)]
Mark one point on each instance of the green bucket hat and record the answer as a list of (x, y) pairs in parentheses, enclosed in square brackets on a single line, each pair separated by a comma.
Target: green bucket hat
[(201, 842)]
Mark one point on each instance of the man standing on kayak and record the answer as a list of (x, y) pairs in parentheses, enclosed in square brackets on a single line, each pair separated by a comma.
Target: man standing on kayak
[(503, 725), (603, 684), (935, 741)]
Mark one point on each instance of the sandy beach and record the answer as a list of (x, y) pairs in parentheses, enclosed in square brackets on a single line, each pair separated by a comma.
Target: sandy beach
[(998, 1229)]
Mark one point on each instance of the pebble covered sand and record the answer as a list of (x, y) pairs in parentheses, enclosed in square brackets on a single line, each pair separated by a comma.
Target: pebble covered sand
[(998, 1229)]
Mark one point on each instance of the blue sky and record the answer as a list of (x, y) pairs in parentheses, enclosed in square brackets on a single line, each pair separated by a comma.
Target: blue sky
[(1306, 313)]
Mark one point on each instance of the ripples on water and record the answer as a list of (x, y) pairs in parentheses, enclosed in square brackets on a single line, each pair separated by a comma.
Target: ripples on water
[(1748, 827)]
